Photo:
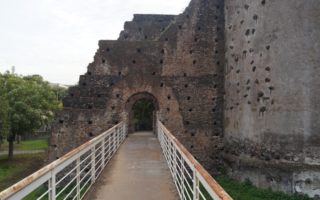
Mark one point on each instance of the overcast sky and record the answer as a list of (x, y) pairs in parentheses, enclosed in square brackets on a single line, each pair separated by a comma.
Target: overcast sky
[(58, 38)]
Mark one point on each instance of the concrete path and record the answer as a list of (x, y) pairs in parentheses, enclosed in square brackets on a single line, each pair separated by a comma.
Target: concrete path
[(137, 172)]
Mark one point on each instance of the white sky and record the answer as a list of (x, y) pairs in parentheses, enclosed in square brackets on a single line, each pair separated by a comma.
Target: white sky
[(57, 39)]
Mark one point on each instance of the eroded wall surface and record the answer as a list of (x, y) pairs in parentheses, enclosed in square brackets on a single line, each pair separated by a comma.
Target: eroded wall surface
[(272, 86)]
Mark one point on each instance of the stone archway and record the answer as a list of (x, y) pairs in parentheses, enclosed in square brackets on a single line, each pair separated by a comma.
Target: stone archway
[(164, 66), (131, 103)]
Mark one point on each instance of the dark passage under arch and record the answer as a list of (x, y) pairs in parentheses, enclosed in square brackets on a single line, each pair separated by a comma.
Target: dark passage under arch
[(143, 111), (142, 108)]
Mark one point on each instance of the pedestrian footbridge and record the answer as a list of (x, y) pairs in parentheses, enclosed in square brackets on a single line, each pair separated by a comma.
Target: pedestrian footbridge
[(118, 166)]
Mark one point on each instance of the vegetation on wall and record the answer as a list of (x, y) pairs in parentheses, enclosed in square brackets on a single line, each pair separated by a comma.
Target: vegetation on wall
[(247, 191)]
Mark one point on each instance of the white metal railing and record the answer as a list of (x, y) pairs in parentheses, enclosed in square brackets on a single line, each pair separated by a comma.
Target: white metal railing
[(192, 181), (71, 176)]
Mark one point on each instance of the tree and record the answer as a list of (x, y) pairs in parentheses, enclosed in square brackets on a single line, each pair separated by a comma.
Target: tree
[(4, 112), (60, 92), (31, 104)]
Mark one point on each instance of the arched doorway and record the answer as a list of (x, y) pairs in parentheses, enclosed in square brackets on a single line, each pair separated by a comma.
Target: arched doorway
[(142, 108)]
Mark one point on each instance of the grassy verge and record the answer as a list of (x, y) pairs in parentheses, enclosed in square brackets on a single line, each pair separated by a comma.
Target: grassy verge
[(12, 171), (39, 144), (246, 191)]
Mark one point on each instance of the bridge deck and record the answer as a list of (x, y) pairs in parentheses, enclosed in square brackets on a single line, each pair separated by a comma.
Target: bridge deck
[(138, 171)]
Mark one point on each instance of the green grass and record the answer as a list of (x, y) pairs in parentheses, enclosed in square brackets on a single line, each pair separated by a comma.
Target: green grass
[(36, 193), (246, 191), (12, 171), (29, 145), (41, 144)]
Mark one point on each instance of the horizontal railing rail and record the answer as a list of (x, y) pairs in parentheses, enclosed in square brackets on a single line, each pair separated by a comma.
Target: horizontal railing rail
[(71, 176), (192, 181)]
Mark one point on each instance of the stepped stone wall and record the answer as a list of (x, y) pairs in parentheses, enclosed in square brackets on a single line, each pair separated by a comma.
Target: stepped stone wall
[(176, 61)]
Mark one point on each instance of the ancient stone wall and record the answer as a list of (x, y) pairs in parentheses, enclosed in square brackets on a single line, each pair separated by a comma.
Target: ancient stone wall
[(236, 81), (272, 103), (176, 60)]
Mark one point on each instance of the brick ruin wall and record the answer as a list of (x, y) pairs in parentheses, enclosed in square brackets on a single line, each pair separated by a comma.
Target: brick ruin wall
[(272, 101), (236, 81), (177, 60)]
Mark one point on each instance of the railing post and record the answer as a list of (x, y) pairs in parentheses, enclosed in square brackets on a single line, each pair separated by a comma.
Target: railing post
[(118, 137), (124, 131), (158, 131), (52, 186), (181, 175), (175, 163), (109, 147), (103, 151), (196, 186), (93, 164), (117, 134), (120, 134), (114, 141), (78, 179), (173, 159), (50, 189)]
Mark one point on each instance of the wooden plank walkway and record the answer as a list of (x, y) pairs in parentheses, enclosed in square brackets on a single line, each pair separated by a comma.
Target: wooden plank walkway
[(138, 171)]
